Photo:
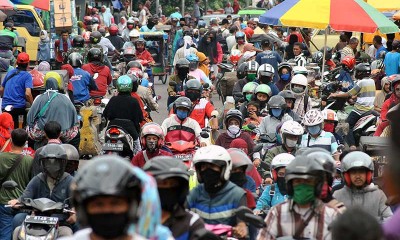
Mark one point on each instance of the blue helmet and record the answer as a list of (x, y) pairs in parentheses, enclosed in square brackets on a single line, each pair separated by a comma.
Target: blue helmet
[(239, 35), (201, 24), (192, 57)]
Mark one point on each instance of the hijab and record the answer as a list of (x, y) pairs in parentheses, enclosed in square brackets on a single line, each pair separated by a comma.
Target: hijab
[(209, 48), (6, 126)]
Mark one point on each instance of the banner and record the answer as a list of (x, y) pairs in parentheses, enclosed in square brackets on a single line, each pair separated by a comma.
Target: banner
[(41, 4)]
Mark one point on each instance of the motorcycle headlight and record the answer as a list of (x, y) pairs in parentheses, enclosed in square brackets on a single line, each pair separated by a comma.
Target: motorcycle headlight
[(21, 234)]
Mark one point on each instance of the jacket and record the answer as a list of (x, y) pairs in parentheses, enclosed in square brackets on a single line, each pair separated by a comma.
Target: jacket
[(224, 140), (139, 160), (268, 125), (269, 199), (184, 224), (218, 209), (102, 79), (147, 96), (175, 130), (391, 227), (369, 198), (272, 152)]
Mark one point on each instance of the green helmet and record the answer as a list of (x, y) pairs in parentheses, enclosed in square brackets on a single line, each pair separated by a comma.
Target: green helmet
[(124, 84), (249, 87), (263, 88)]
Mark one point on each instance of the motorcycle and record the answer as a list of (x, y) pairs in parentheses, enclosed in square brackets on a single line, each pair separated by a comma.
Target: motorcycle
[(365, 126), (118, 141), (183, 150), (209, 135)]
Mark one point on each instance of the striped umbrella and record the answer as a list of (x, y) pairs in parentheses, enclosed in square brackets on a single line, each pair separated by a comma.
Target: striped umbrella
[(6, 5), (340, 15)]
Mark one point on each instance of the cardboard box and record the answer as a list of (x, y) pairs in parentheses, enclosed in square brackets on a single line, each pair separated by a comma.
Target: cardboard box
[(62, 20), (62, 6)]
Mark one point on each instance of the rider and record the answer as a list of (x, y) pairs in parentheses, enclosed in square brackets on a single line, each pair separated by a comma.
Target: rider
[(213, 167), (262, 94), (78, 45), (290, 133), (345, 73), (266, 76), (151, 139), (285, 75), (275, 193), (247, 72), (116, 40), (304, 182), (358, 171), (180, 77), (8, 42), (134, 94), (330, 122), (53, 183), (364, 89), (141, 52), (299, 87), (17, 92), (240, 41), (179, 126), (100, 73), (290, 100), (172, 178), (194, 70), (81, 80), (133, 36), (130, 25)]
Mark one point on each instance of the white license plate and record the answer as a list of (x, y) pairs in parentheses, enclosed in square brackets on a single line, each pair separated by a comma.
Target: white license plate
[(41, 220), (184, 157), (113, 147)]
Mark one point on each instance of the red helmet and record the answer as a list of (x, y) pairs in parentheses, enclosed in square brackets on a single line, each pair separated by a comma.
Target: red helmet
[(152, 128), (235, 56), (113, 30), (349, 62), (23, 58), (248, 32)]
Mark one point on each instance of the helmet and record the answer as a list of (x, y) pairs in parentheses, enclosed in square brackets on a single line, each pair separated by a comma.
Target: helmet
[(134, 33), (357, 159), (377, 64), (124, 84), (362, 70), (78, 41), (304, 168), (280, 160), (329, 115), (235, 55), (349, 62), (239, 34), (300, 70), (108, 175), (113, 30), (250, 87), (300, 79), (22, 58), (395, 44), (284, 65), (240, 159), (182, 63), (313, 117), (393, 79), (201, 24), (262, 88), (56, 76), (95, 20), (129, 54), (141, 41), (183, 102), (95, 37), (266, 70), (249, 32), (75, 60), (216, 155), (152, 128), (53, 159), (325, 159), (72, 152), (292, 128), (328, 52), (193, 84), (87, 20), (287, 94), (240, 74), (95, 54), (252, 66), (317, 57), (234, 113), (277, 102), (193, 61), (134, 64)]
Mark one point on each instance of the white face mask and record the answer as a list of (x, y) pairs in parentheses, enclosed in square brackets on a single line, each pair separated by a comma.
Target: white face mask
[(233, 131), (290, 143)]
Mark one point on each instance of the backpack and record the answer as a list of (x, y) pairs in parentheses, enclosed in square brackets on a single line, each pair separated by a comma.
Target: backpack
[(226, 84)]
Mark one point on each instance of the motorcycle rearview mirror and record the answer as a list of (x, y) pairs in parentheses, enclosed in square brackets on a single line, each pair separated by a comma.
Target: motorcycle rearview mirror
[(9, 185), (206, 85), (172, 83), (204, 134), (214, 114), (251, 126)]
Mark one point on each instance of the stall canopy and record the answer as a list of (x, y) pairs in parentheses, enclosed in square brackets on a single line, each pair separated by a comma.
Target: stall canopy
[(41, 4)]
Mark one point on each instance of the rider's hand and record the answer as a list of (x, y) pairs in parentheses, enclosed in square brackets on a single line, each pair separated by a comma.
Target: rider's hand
[(268, 181), (257, 162), (256, 211), (240, 230), (13, 202), (203, 144), (71, 219), (253, 115), (172, 94)]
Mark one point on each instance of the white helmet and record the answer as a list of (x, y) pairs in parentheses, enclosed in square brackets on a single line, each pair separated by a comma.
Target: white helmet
[(134, 33), (266, 70), (292, 128), (280, 160), (313, 117), (300, 70), (330, 115), (216, 155), (299, 79)]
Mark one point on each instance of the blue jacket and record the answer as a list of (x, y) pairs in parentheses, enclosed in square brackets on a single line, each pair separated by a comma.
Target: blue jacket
[(219, 209), (265, 201), (82, 83), (346, 80), (250, 184)]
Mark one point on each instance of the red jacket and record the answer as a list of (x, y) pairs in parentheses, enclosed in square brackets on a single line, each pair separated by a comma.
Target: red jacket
[(139, 160), (145, 55), (392, 101), (220, 54), (103, 79)]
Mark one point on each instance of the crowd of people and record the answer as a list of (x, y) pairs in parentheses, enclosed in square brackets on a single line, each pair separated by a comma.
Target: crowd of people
[(276, 152)]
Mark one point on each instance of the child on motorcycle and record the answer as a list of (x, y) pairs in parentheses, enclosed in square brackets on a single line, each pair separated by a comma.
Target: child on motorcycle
[(253, 111), (152, 140), (330, 123), (177, 80), (195, 71)]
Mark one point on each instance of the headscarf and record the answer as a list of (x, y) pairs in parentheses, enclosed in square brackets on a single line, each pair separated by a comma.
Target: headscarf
[(6, 126), (107, 17), (122, 26), (209, 49), (149, 211), (187, 44), (202, 57), (44, 66)]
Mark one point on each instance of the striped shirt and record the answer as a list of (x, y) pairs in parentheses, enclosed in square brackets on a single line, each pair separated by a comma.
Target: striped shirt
[(365, 91), (300, 60), (346, 51), (283, 219), (325, 140)]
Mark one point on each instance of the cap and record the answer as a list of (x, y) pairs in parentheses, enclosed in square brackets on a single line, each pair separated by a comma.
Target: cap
[(225, 21), (23, 58), (248, 55), (9, 25)]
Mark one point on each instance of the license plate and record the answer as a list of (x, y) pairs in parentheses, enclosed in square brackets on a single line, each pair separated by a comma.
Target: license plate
[(113, 147), (184, 157), (41, 220)]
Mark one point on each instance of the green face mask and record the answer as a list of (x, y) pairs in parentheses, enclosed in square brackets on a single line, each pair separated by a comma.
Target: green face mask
[(248, 97), (251, 76), (303, 194)]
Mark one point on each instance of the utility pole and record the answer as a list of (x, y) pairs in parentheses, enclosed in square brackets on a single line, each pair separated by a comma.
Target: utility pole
[(158, 8), (183, 8)]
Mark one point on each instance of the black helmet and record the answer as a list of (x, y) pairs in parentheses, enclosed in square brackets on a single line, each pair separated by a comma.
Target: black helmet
[(328, 53), (134, 64), (234, 113), (95, 54), (140, 40), (53, 159), (193, 84), (75, 59), (182, 63), (164, 167), (317, 57), (362, 70), (107, 175), (73, 158), (95, 37), (241, 71), (78, 41), (183, 102)]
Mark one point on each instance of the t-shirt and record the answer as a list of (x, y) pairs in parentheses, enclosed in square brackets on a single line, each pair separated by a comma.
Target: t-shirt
[(365, 91), (8, 39), (14, 88), (270, 57), (21, 175), (392, 63), (107, 46), (379, 51), (325, 140), (81, 81)]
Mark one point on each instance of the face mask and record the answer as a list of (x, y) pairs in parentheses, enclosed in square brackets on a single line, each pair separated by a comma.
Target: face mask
[(298, 89), (212, 181), (151, 145), (240, 42), (329, 127), (169, 198), (196, 36), (193, 96), (291, 143), (265, 79), (303, 194), (238, 178), (182, 114), (233, 131), (182, 73), (276, 112), (248, 97), (324, 191), (251, 76), (141, 49), (278, 138), (208, 41), (314, 130), (52, 168), (336, 181), (281, 185), (102, 226), (285, 77)]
